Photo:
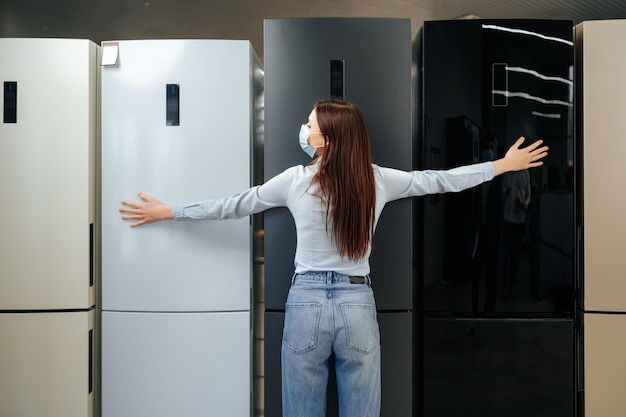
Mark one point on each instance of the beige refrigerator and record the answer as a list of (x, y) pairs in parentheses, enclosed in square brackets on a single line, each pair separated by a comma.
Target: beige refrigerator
[(601, 203), (48, 138)]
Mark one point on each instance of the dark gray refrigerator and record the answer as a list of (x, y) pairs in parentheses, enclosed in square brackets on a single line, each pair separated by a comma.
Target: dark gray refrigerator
[(366, 61), (495, 310)]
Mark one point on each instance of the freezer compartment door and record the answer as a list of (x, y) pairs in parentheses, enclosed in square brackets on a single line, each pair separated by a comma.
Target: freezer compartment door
[(496, 367), (185, 364), (47, 364), (47, 173), (604, 366)]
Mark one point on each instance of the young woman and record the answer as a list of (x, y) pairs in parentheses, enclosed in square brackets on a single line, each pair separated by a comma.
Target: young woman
[(335, 202)]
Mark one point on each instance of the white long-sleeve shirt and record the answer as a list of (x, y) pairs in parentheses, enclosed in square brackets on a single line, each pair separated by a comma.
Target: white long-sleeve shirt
[(315, 249)]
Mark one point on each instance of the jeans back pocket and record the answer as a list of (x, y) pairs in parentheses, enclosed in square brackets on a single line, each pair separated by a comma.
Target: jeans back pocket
[(361, 326), (301, 329)]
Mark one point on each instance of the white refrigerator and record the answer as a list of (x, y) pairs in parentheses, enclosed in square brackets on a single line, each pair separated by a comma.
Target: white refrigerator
[(48, 138), (601, 130), (179, 119)]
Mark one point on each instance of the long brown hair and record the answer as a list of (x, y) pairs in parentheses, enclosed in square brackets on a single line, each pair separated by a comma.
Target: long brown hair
[(345, 177)]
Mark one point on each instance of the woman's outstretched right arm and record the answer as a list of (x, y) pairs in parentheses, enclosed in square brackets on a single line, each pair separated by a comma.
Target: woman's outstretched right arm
[(253, 200)]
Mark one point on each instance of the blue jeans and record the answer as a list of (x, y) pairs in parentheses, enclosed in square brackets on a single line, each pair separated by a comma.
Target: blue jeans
[(328, 313)]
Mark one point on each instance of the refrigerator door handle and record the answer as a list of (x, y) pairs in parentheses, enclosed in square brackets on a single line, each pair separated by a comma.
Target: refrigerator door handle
[(10, 102), (500, 85), (91, 362), (580, 356), (172, 104), (337, 78), (91, 254), (580, 273)]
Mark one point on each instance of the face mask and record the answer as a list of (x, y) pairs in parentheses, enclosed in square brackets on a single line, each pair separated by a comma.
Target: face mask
[(304, 144), (487, 155)]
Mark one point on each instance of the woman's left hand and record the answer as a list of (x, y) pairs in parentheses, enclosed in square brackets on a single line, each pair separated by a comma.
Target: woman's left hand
[(517, 159)]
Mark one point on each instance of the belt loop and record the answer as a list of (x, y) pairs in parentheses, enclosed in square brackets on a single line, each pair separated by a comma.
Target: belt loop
[(368, 280), (329, 278), (293, 278)]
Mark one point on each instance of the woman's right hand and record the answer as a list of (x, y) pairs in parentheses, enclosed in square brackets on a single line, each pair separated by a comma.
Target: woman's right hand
[(151, 210)]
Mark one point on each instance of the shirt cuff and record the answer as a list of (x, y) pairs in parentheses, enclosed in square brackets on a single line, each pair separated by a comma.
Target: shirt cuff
[(179, 211)]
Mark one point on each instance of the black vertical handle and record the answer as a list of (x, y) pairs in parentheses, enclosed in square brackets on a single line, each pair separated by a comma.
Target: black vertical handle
[(91, 254), (90, 381), (580, 264), (172, 105), (580, 355), (337, 78), (10, 102)]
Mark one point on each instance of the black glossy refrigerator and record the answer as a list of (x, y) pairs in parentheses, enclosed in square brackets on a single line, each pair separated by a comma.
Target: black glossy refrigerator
[(496, 303), (366, 61)]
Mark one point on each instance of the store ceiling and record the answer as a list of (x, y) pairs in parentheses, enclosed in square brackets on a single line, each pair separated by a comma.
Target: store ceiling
[(100, 20)]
